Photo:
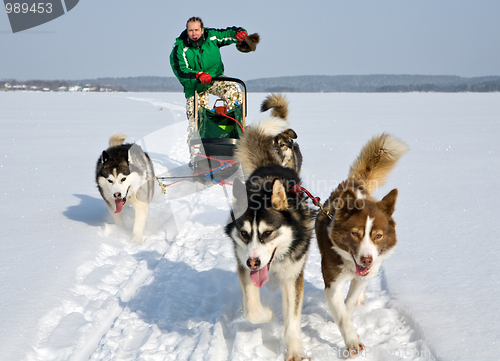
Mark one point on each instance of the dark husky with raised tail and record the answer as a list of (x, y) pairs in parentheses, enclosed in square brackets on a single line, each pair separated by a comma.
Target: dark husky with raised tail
[(270, 141), (271, 227)]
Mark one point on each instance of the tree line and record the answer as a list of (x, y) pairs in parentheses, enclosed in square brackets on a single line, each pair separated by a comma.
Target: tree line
[(288, 84)]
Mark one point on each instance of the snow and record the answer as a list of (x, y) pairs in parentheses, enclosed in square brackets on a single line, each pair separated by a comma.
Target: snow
[(73, 286)]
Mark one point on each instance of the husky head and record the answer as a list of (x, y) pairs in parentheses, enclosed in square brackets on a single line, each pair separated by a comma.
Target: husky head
[(287, 150), (363, 230), (120, 174), (274, 224), (283, 142)]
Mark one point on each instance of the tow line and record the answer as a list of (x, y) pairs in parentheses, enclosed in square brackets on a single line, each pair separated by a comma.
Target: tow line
[(208, 174), (297, 189)]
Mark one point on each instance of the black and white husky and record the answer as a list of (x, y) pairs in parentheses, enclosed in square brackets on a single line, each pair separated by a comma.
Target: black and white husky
[(125, 175), (271, 225)]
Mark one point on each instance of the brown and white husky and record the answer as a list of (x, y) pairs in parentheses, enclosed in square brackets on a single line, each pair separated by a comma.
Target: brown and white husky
[(359, 232)]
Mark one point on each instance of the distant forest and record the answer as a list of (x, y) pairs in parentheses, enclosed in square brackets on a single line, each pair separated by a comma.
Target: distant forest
[(375, 83), (299, 84)]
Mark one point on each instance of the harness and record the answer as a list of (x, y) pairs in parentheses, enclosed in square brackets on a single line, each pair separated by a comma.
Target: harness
[(300, 191), (208, 174)]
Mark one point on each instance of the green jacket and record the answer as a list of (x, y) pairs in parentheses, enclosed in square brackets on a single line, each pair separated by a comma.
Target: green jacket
[(188, 58)]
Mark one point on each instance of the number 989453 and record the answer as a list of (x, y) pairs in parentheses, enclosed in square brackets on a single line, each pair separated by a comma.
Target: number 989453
[(24, 8)]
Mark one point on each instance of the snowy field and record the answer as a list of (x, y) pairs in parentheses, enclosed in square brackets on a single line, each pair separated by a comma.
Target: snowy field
[(73, 286)]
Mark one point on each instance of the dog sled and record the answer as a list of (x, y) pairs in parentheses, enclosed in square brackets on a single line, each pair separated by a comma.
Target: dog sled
[(216, 132), (211, 148)]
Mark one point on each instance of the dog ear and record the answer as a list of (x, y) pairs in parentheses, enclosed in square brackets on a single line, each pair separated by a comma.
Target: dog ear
[(290, 133), (278, 197), (104, 156), (136, 158), (348, 204), (388, 203)]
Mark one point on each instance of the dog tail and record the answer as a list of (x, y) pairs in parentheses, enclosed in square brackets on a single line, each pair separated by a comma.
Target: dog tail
[(278, 104), (117, 139), (376, 160)]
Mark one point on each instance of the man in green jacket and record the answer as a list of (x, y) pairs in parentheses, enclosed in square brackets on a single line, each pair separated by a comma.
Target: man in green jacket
[(196, 55)]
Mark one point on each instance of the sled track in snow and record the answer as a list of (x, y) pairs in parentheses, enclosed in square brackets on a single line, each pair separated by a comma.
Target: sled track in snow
[(177, 297)]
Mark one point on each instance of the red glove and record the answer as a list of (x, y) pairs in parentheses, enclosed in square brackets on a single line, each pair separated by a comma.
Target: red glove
[(205, 78), (240, 35)]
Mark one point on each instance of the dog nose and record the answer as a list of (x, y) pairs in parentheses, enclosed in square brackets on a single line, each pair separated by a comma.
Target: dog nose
[(253, 263), (117, 195), (366, 261)]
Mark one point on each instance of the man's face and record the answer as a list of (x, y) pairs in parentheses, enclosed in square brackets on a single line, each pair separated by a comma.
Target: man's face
[(194, 30)]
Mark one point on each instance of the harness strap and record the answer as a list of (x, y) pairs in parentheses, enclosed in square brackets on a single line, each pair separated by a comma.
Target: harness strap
[(297, 189), (162, 186), (224, 164)]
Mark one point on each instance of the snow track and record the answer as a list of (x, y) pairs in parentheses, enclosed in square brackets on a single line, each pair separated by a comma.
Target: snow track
[(177, 297), (74, 286)]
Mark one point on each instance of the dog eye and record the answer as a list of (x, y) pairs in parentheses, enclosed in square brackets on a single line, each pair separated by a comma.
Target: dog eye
[(123, 179), (267, 234), (244, 234), (378, 236), (356, 234), (110, 181)]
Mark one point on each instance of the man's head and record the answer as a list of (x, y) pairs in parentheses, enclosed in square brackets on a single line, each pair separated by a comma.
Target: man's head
[(194, 28)]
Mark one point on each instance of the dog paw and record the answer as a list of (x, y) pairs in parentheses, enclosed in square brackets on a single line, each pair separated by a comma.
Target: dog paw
[(295, 351), (262, 315), (296, 357), (361, 299), (137, 239), (354, 349)]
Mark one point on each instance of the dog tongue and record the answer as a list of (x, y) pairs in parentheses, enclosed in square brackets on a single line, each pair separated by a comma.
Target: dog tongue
[(260, 277), (361, 271), (119, 205)]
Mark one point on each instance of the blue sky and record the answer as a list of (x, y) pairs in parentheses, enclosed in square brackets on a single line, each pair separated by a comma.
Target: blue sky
[(117, 38)]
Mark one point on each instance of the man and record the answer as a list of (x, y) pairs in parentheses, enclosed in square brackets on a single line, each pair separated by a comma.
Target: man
[(196, 55)]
